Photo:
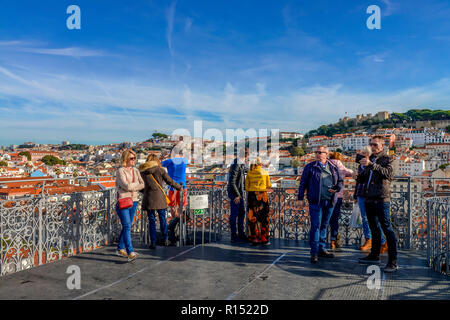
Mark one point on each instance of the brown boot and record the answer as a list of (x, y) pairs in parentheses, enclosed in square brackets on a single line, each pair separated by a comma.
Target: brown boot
[(367, 245), (333, 245), (384, 248)]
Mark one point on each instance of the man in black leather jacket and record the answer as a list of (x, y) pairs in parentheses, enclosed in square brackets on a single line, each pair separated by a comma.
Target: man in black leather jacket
[(376, 178), (236, 178)]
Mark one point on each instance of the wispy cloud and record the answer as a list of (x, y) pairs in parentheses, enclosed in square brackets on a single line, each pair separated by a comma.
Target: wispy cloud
[(188, 25), (390, 8), (35, 47), (170, 15), (75, 52)]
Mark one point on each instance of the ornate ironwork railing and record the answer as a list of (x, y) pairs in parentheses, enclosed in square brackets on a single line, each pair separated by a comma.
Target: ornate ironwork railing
[(438, 234), (38, 230)]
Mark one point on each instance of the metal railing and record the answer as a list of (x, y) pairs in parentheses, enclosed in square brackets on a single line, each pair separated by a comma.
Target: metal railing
[(42, 229), (438, 234)]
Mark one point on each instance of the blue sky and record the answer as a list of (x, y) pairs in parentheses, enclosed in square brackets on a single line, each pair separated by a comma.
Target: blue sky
[(160, 65)]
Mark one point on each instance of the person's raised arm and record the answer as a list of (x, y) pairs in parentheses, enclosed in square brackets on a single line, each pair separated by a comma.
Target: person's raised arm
[(384, 168), (345, 172), (167, 179)]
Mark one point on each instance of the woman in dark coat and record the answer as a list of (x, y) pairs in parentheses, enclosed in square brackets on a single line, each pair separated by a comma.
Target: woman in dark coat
[(154, 198)]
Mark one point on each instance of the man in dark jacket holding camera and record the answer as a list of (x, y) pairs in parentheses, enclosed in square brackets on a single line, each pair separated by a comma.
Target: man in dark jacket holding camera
[(376, 178)]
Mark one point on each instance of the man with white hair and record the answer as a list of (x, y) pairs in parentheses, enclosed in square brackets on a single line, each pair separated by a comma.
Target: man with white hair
[(321, 180)]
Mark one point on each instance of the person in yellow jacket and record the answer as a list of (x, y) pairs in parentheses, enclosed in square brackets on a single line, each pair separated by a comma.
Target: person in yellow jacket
[(256, 185)]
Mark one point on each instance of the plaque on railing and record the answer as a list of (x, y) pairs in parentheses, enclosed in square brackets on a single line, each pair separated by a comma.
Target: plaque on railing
[(198, 202)]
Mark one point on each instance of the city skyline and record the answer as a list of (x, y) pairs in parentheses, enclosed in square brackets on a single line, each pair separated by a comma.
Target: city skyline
[(134, 68)]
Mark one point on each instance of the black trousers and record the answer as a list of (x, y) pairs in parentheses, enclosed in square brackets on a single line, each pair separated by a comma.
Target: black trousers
[(378, 211)]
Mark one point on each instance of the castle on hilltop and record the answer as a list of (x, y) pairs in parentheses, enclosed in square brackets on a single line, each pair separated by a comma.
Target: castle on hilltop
[(380, 116)]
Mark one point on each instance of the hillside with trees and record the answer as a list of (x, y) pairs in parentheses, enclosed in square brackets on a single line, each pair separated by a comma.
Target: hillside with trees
[(395, 120)]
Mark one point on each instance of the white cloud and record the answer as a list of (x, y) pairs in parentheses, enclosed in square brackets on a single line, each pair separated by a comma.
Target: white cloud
[(390, 8), (67, 52), (188, 25), (71, 105), (170, 23)]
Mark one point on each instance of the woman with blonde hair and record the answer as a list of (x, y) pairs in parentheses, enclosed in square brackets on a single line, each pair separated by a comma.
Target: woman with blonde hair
[(336, 242), (128, 183), (256, 185), (155, 199)]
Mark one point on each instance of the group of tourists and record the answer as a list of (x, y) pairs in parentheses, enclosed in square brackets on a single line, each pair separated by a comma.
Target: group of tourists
[(149, 180), (322, 182)]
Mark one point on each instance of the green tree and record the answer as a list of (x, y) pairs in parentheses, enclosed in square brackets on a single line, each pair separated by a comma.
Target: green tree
[(297, 151), (158, 135), (295, 163), (26, 154), (52, 160), (74, 146)]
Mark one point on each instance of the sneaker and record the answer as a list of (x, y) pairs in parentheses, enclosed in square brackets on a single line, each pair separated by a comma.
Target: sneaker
[(132, 256), (167, 243), (121, 253), (314, 259), (367, 245), (326, 254), (391, 267), (369, 259), (266, 244), (384, 248)]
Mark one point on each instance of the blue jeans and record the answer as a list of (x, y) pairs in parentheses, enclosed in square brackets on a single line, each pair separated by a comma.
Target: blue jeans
[(126, 217), (378, 214), (320, 218), (237, 212), (365, 222), (334, 220), (162, 224)]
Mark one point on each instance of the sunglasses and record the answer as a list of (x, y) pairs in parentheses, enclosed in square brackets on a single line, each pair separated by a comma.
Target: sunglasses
[(373, 144), (319, 152), (131, 159)]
